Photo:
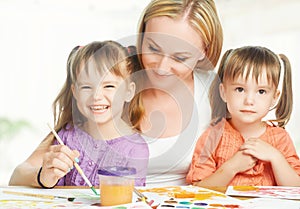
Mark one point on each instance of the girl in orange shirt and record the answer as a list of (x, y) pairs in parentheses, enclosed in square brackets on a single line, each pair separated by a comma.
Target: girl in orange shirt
[(240, 148)]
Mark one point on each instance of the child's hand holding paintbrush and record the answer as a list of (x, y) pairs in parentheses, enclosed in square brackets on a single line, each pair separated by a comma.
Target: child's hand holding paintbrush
[(57, 162), (60, 160)]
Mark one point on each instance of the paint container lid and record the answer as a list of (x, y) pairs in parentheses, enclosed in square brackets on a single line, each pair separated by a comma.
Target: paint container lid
[(116, 171)]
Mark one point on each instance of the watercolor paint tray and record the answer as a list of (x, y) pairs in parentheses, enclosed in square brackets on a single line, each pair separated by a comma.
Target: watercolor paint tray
[(190, 197), (84, 198), (279, 192)]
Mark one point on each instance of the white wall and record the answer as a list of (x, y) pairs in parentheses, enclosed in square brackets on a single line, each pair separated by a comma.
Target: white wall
[(36, 37)]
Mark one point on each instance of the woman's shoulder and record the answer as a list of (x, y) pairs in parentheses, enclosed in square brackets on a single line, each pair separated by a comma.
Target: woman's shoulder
[(205, 77)]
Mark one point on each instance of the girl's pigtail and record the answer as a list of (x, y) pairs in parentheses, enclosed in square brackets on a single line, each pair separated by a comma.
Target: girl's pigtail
[(135, 108), (62, 105), (135, 63), (285, 103)]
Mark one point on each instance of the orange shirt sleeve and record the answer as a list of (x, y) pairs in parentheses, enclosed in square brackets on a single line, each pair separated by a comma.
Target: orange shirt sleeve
[(203, 162), (286, 146)]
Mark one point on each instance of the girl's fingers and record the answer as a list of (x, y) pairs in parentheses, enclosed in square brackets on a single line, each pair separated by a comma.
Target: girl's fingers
[(63, 149), (59, 157), (71, 154), (76, 153), (57, 162)]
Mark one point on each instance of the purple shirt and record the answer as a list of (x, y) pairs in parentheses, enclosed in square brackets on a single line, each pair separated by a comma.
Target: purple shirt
[(131, 151)]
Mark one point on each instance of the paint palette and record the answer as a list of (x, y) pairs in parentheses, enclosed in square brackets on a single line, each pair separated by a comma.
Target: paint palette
[(190, 197), (265, 191), (84, 198)]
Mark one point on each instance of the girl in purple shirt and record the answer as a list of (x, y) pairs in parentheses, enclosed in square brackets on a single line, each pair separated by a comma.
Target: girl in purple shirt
[(88, 114)]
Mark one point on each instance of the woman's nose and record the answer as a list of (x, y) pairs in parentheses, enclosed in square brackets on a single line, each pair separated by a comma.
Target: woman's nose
[(164, 63)]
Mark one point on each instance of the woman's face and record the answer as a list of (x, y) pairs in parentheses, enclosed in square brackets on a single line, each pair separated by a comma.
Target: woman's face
[(170, 50)]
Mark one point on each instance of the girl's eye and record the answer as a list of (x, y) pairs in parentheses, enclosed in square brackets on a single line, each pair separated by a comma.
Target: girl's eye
[(239, 89), (261, 91), (86, 87), (109, 86), (153, 49)]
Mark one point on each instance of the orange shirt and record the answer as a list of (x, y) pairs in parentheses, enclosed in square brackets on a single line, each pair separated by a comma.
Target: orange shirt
[(220, 142)]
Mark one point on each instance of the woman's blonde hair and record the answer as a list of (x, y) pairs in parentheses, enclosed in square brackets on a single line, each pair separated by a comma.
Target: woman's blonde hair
[(254, 60), (106, 55), (202, 17)]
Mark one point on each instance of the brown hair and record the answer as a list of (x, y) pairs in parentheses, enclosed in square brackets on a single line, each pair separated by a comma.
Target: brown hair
[(107, 55)]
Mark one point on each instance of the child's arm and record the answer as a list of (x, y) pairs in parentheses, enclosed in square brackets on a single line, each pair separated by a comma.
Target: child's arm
[(205, 170), (227, 171), (55, 161), (284, 174), (26, 173)]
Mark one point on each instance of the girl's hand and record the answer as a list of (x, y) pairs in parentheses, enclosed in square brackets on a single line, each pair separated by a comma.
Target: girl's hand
[(241, 162), (57, 162), (259, 149)]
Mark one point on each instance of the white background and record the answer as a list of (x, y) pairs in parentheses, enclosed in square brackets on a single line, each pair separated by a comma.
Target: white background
[(36, 37)]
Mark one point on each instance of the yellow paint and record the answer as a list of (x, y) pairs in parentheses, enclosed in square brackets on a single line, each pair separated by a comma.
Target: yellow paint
[(115, 194), (245, 188)]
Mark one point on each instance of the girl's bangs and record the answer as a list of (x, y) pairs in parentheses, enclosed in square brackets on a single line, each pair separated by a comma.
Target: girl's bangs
[(244, 65)]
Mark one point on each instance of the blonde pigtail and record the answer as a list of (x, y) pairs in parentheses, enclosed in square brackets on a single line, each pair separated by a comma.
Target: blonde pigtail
[(285, 104)]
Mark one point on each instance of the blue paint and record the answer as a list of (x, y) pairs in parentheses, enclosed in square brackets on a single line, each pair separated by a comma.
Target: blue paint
[(185, 203), (200, 203)]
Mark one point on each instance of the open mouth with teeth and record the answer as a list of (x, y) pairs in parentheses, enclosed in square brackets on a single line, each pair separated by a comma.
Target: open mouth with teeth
[(99, 108)]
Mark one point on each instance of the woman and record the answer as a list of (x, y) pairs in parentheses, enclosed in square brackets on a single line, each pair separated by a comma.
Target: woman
[(179, 43)]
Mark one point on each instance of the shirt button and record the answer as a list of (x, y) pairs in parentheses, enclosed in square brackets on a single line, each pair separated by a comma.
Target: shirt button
[(81, 182), (96, 146), (90, 163)]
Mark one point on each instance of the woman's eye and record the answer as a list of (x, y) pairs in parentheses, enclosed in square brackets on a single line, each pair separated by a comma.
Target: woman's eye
[(262, 91), (239, 89), (153, 49), (180, 59)]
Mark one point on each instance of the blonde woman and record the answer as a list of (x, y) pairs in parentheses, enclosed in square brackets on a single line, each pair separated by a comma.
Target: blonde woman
[(179, 45)]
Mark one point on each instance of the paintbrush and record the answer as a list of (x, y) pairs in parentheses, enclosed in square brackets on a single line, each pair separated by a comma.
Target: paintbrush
[(44, 196), (80, 171), (142, 197)]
